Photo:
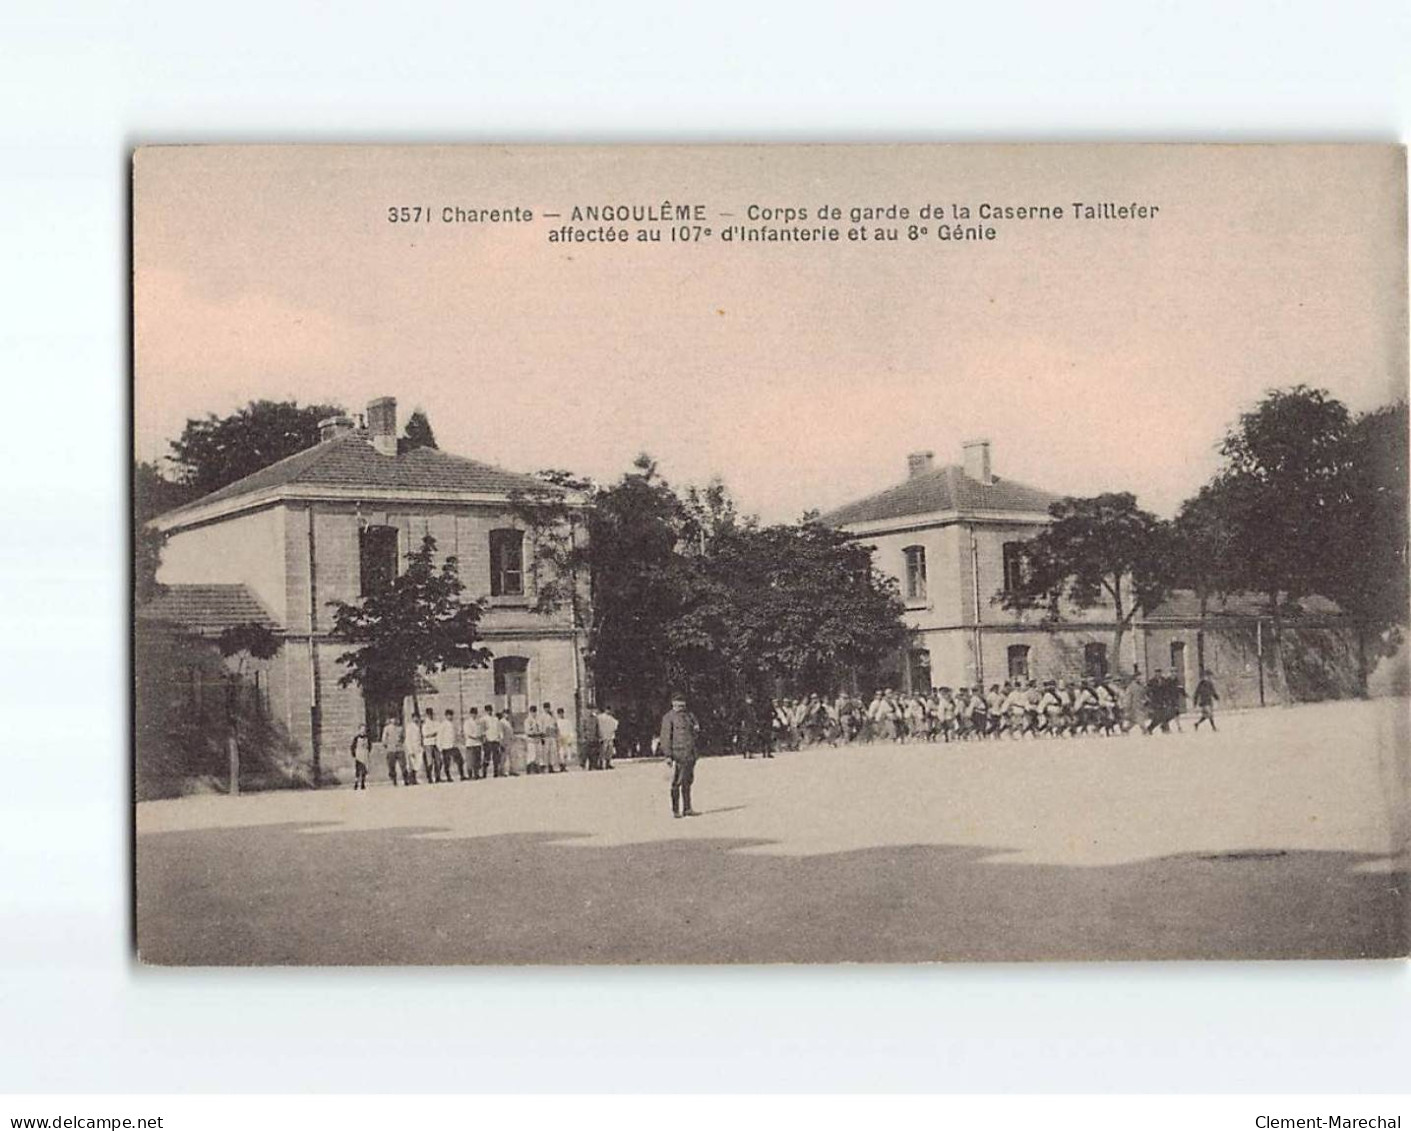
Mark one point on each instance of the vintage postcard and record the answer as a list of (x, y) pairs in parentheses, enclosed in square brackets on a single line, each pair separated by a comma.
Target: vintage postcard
[(769, 554)]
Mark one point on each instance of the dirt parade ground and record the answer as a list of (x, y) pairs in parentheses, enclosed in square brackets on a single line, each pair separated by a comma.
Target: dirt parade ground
[(1274, 838)]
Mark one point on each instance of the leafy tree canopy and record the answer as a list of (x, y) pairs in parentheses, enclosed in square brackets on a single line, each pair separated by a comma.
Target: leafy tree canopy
[(417, 433), (688, 594), (418, 624), (255, 640), (217, 451), (1285, 478), (1310, 500), (1099, 550), (152, 494)]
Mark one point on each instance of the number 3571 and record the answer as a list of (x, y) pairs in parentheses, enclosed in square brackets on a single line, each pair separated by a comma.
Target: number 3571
[(409, 214)]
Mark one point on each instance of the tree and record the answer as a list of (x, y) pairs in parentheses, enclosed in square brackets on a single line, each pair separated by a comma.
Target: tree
[(417, 433), (1203, 550), (417, 624), (217, 451), (557, 540), (1364, 560), (1099, 550), (795, 604), (687, 594), (637, 592), (1282, 491), (248, 641), (152, 494), (691, 595)]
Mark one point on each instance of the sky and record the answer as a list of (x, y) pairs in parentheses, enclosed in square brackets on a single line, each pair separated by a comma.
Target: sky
[(1094, 355)]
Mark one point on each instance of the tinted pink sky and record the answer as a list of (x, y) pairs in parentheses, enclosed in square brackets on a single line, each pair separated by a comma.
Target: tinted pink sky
[(1095, 356)]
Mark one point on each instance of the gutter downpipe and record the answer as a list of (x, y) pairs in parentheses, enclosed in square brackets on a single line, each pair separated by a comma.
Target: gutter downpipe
[(979, 642), (315, 707)]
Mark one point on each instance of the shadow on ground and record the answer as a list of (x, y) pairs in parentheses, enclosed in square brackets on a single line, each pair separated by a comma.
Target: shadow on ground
[(274, 895)]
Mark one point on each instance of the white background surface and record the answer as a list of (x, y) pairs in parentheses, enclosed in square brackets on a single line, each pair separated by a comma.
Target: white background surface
[(80, 84)]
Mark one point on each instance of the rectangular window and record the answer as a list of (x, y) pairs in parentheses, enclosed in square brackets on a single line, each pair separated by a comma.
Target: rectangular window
[(1095, 661), (920, 670), (506, 563), (1018, 661), (1016, 570), (1178, 661), (915, 573), (377, 559)]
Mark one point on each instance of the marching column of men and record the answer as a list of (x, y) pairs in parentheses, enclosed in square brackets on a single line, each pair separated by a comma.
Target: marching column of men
[(1014, 709)]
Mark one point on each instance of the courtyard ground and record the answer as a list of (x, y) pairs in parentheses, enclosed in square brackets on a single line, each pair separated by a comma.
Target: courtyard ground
[(1284, 835)]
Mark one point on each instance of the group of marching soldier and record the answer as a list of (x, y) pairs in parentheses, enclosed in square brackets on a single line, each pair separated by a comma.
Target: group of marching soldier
[(1013, 709)]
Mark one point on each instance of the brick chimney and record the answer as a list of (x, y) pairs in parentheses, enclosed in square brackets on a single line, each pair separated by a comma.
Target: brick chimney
[(919, 463), (332, 427), (382, 423), (977, 461)]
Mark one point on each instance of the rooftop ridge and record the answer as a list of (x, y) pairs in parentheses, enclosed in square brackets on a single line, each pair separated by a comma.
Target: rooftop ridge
[(350, 459), (942, 489)]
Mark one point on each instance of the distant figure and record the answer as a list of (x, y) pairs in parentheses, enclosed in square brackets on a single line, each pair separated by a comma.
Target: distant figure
[(1132, 703), (678, 745), (394, 743), (607, 736), (553, 753), (589, 755), (360, 750), (568, 740), (1205, 699), (431, 747), (535, 760), (415, 750), (474, 732), (450, 738), (1163, 696), (494, 733)]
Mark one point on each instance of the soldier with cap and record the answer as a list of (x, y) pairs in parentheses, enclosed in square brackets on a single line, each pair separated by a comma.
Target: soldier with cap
[(678, 745)]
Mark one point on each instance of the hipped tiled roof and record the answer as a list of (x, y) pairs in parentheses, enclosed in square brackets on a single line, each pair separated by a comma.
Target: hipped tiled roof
[(944, 489), (350, 460), (206, 608)]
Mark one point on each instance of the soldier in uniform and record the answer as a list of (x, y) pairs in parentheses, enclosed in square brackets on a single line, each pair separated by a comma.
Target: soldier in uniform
[(415, 751), (431, 746), (392, 743), (678, 745), (360, 750), (1205, 698)]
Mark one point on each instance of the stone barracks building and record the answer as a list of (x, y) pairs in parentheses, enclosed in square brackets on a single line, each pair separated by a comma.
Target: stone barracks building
[(333, 522), (953, 537)]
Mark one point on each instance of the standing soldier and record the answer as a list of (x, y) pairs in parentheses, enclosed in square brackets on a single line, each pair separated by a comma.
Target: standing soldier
[(568, 740), (493, 735), (1132, 703), (475, 744), (360, 750), (496, 735), (589, 741), (415, 753), (431, 747), (1205, 699), (535, 761), (553, 755), (678, 745), (394, 743), (450, 738), (607, 736)]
